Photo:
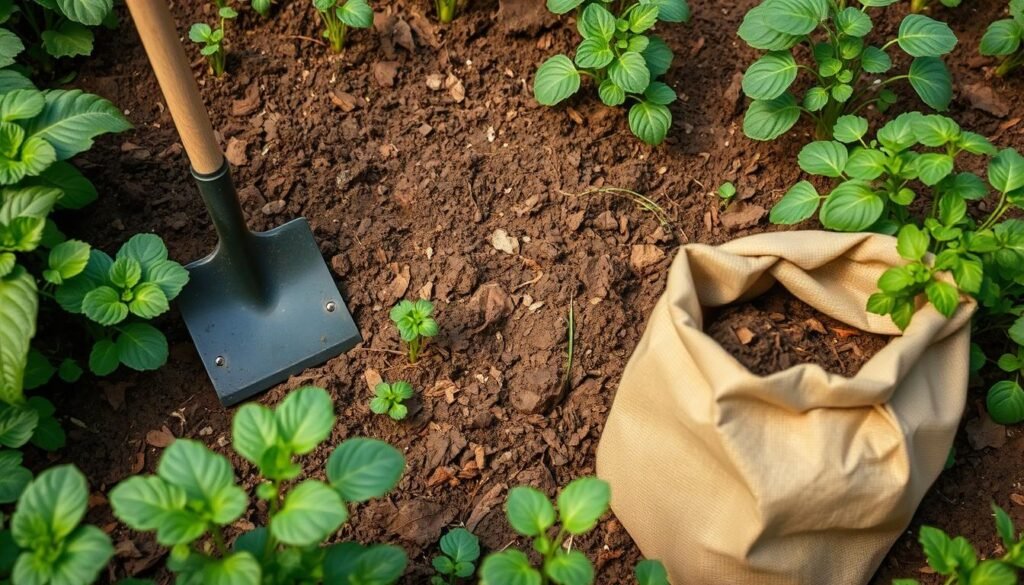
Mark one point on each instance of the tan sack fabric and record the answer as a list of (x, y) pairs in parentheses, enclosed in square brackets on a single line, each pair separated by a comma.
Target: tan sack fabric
[(797, 478)]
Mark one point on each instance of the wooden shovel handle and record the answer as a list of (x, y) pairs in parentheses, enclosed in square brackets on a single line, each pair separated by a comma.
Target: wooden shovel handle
[(160, 39)]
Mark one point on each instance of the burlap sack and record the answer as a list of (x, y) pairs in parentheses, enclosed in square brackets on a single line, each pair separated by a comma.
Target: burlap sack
[(802, 477)]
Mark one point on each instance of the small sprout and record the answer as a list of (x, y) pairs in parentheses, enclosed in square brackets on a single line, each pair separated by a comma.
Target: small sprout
[(389, 399), (447, 10), (924, 5), (339, 16), (726, 192), (262, 7), (460, 551), (1005, 38), (415, 324), (212, 39)]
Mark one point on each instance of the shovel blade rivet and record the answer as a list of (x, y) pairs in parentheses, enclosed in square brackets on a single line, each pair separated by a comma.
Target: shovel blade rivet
[(330, 306), (219, 361)]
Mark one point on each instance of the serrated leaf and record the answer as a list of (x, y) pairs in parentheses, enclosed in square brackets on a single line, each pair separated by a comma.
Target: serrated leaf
[(103, 305), (933, 167), (68, 39), (150, 503), (148, 301), (1006, 171), (596, 23)]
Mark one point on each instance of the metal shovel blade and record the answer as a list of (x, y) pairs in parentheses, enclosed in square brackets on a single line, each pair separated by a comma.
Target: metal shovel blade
[(263, 306)]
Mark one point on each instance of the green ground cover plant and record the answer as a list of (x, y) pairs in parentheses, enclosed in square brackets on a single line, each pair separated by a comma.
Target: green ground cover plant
[(459, 551), (194, 495), (923, 5), (262, 7), (881, 182), (848, 73), (1005, 38), (621, 57), (416, 324), (448, 10), (339, 16), (957, 560), (43, 31), (389, 397), (212, 39)]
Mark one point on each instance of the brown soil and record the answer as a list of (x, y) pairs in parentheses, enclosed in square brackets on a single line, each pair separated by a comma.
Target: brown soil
[(776, 331), (404, 187)]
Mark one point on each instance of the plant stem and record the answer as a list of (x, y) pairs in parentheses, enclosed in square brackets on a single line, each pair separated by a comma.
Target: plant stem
[(1010, 63), (218, 540), (918, 5), (445, 10)]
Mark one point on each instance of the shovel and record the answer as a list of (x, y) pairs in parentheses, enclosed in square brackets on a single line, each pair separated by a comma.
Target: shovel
[(262, 306)]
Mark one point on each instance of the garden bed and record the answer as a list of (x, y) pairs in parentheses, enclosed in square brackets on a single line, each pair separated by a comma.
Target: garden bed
[(470, 194)]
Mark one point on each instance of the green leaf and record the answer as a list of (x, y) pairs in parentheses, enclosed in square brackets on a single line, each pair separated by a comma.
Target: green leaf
[(875, 60), (770, 76), (141, 347), (69, 371), (27, 159), (671, 10), (932, 82), (103, 305), (13, 477), (1004, 526), (71, 119), (562, 6), (1005, 402), (794, 17), (921, 36), (993, 572), (866, 164), (207, 479), (146, 249), (650, 122), (582, 503), (356, 13), (769, 119), (76, 191), (10, 47), (379, 563), (944, 296), (19, 305), (1002, 37), (51, 507), (149, 301), (659, 93), (82, 555), (629, 71), (461, 546), (311, 512), (798, 204), (510, 567), (529, 511), (651, 572), (170, 276), (90, 12), (658, 57), (853, 22), (571, 568), (149, 503), (68, 39), (842, 92), (757, 33), (305, 418), (933, 167), (556, 80), (850, 129), (125, 273), (851, 207), (362, 468), (912, 242), (642, 17), (240, 568), (936, 130), (816, 98), (7, 262), (825, 158), (594, 53), (21, 104), (254, 432), (17, 423), (1006, 171), (976, 144), (68, 259), (898, 134), (104, 358), (596, 23)]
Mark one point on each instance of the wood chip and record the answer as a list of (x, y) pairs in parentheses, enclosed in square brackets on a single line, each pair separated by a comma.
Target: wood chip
[(1017, 499), (344, 100), (744, 335), (372, 378), (160, 438)]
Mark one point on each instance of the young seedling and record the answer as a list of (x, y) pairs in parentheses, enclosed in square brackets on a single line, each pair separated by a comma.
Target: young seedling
[(339, 16), (262, 7), (923, 5), (460, 550), (388, 399), (194, 495), (1005, 38), (212, 39), (141, 281), (620, 57), (957, 560), (726, 192), (46, 542), (848, 73), (651, 572), (447, 10), (948, 251), (415, 324)]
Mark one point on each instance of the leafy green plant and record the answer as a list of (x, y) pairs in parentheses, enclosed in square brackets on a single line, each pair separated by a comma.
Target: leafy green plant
[(46, 542), (212, 39), (956, 559), (459, 551), (726, 192), (1005, 38), (388, 399), (339, 16), (416, 324), (621, 58), (845, 67), (922, 5), (43, 31), (139, 283), (948, 250), (262, 7), (651, 572), (194, 495), (447, 10)]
